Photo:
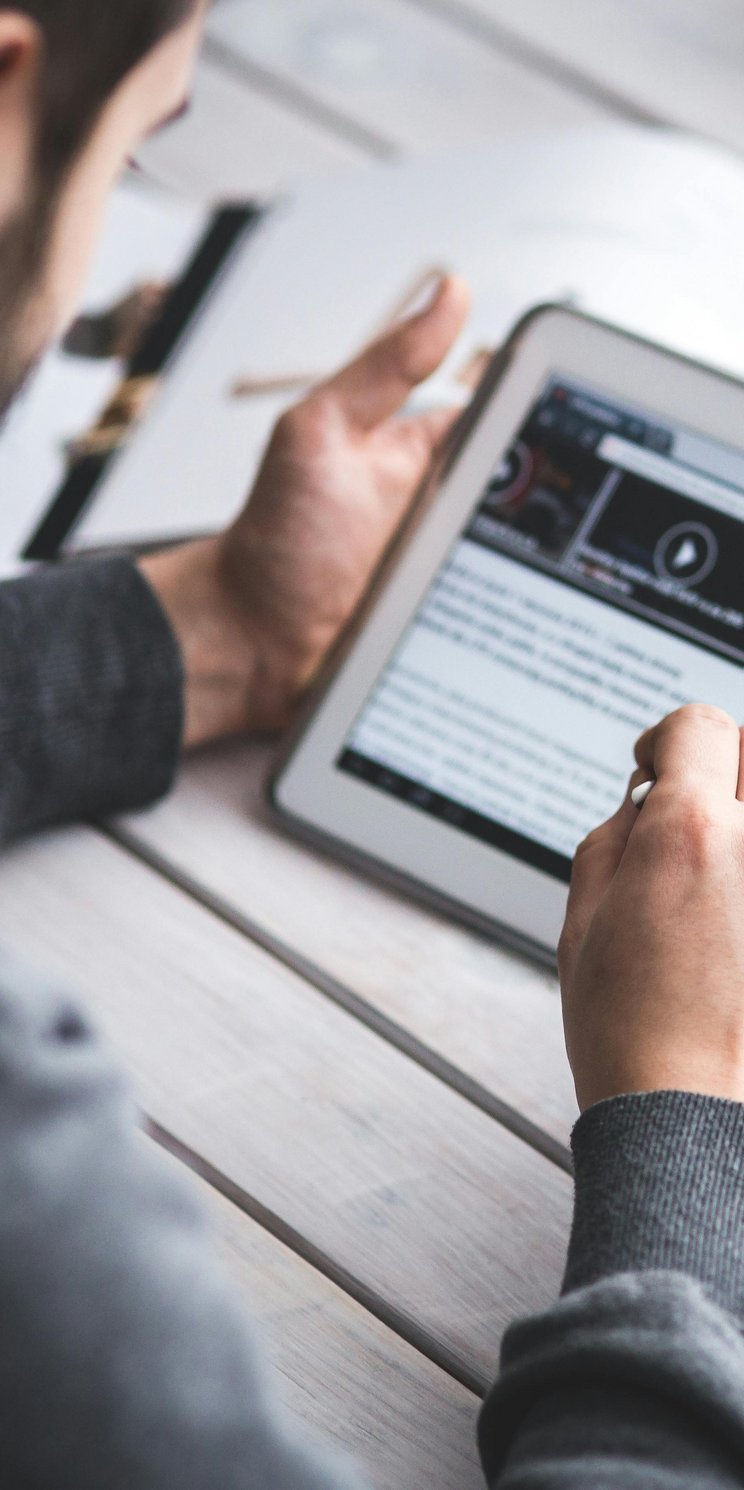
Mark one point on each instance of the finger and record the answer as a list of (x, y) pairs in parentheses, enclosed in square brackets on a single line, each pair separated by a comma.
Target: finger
[(697, 749), (425, 433), (595, 865), (598, 859), (378, 382), (740, 784), (420, 438)]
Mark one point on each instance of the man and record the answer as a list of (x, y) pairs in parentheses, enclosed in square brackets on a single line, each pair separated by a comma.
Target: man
[(124, 1362)]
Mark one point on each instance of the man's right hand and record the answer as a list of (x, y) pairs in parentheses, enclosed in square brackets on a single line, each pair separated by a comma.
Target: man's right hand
[(652, 953)]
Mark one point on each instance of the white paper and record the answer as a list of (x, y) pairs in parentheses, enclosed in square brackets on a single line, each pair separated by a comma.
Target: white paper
[(641, 227)]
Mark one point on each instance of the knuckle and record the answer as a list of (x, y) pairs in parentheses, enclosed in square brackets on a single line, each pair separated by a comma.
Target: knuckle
[(287, 423), (321, 411), (306, 423), (703, 714), (590, 844), (702, 831), (693, 831), (319, 404)]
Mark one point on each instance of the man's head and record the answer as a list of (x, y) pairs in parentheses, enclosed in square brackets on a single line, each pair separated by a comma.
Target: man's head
[(82, 82)]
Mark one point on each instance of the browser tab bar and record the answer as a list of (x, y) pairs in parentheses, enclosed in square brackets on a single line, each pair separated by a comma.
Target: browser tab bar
[(668, 473)]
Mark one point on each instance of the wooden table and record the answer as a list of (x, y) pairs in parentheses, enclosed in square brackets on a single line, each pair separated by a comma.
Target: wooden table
[(376, 1102)]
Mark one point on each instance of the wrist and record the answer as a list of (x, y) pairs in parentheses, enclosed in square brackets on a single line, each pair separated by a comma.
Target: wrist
[(219, 654), (658, 1186)]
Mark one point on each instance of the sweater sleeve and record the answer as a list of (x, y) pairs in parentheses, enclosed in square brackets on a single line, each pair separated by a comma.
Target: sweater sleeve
[(635, 1379), (125, 1359), (90, 694)]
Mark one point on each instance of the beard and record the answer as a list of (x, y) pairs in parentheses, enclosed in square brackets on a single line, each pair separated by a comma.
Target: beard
[(22, 331)]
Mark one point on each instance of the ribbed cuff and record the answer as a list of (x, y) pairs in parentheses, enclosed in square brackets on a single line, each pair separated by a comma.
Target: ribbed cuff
[(659, 1184), (91, 694)]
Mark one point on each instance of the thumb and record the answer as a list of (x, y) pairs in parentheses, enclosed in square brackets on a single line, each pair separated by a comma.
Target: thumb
[(425, 432), (380, 380)]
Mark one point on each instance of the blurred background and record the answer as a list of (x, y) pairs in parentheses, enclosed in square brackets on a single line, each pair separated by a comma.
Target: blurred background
[(587, 151), (289, 89)]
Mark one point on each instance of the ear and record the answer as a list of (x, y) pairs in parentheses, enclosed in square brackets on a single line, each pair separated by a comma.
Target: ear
[(20, 61)]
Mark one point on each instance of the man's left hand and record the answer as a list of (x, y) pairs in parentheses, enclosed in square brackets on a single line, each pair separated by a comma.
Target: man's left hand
[(257, 609)]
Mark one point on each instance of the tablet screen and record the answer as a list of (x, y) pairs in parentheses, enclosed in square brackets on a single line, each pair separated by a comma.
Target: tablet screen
[(596, 586)]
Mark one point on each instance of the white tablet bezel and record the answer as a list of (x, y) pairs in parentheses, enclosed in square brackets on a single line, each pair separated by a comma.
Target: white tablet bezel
[(484, 884)]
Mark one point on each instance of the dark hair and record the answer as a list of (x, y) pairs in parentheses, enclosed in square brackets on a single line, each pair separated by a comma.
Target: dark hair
[(89, 47)]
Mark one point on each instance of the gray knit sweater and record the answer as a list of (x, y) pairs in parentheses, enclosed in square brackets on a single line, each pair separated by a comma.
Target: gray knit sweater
[(125, 1363)]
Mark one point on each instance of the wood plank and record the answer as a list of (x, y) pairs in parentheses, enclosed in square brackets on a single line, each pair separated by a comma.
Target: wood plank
[(432, 1210), (401, 73), (488, 1012), (342, 1373), (675, 59), (237, 142)]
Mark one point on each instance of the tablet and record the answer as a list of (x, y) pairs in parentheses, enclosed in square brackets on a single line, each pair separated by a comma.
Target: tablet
[(573, 572)]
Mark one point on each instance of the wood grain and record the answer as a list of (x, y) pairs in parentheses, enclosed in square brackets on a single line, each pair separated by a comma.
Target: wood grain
[(490, 1013), (401, 73), (434, 1211), (676, 60), (342, 1373)]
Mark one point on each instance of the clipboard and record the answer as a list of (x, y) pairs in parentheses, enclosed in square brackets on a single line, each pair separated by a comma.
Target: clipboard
[(93, 455)]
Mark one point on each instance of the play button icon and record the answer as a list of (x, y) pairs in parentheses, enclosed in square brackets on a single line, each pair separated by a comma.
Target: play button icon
[(686, 553), (685, 557)]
